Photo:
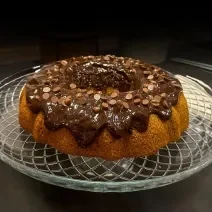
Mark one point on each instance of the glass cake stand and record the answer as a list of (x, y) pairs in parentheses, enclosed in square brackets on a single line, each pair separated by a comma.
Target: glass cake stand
[(170, 164)]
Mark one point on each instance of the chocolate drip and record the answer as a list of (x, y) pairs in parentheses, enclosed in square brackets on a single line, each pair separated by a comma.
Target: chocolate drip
[(118, 123), (140, 121), (89, 94)]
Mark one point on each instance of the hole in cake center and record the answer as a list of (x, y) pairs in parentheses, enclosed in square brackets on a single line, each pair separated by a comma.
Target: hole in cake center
[(103, 76)]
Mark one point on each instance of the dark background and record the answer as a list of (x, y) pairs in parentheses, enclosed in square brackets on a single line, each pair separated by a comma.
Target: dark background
[(154, 36)]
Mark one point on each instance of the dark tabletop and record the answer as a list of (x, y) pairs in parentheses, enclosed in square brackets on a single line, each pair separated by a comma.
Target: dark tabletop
[(22, 193)]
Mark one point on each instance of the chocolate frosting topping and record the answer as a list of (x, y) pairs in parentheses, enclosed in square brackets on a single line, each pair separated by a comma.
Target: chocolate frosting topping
[(88, 94)]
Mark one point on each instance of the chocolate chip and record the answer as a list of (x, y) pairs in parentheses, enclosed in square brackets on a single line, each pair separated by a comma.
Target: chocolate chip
[(137, 96), (145, 85), (112, 102), (73, 86), (62, 71), (150, 77), (150, 97), (54, 99), (83, 90), (79, 90), (145, 102), (156, 104), (147, 72), (70, 69), (156, 75), (46, 89), (149, 68), (150, 87), (105, 105), (90, 92), (133, 71), (104, 97), (163, 95), (61, 100), (45, 96), (68, 100), (48, 72), (64, 62), (157, 98), (116, 91), (129, 96), (96, 109), (114, 95), (119, 102), (126, 105), (127, 64), (55, 80), (56, 69), (78, 95), (97, 96), (137, 101), (106, 57), (56, 66), (75, 63), (156, 70), (145, 90), (81, 101), (56, 89)]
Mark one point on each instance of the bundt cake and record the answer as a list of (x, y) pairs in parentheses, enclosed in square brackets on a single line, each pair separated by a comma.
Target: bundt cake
[(103, 106)]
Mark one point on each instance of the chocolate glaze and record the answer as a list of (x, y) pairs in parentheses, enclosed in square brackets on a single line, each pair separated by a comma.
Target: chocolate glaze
[(76, 93)]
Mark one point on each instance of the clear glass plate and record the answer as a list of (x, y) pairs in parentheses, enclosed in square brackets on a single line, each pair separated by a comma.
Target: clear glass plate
[(170, 164)]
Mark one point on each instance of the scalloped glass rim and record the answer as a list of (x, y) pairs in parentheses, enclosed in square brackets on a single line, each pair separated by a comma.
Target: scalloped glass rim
[(97, 186)]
